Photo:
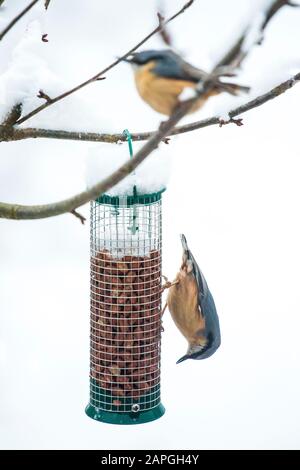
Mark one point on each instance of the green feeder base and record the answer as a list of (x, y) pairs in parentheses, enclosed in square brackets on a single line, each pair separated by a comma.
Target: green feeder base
[(125, 418)]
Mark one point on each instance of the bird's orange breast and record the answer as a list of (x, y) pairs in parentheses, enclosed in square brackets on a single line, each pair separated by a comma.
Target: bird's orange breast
[(161, 93), (183, 305)]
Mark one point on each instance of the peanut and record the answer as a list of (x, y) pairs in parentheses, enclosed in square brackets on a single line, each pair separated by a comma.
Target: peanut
[(125, 323)]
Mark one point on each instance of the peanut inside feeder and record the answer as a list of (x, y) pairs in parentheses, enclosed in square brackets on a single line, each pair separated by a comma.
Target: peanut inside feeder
[(125, 309)]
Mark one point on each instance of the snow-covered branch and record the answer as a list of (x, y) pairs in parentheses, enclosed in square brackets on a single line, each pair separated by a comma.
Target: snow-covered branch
[(16, 19), (253, 34), (9, 131), (99, 75), (29, 133), (15, 211)]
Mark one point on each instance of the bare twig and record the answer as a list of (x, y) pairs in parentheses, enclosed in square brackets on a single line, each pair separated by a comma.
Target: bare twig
[(238, 122), (79, 216), (273, 9), (20, 134), (41, 94), (164, 34), (109, 67), (236, 54), (47, 4), (14, 211), (17, 18)]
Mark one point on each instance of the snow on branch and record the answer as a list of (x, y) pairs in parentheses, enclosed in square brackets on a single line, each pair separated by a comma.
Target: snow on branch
[(10, 132), (96, 77), (16, 19), (15, 211), (14, 134), (253, 34), (20, 82)]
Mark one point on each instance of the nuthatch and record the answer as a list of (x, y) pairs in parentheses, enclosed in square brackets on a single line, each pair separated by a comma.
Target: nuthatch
[(193, 309), (162, 75)]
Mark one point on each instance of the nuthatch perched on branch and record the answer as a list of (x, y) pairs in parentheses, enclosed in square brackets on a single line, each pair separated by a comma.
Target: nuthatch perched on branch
[(162, 75), (193, 309)]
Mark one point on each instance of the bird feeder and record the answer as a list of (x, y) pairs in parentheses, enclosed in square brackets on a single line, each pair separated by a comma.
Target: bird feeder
[(125, 237)]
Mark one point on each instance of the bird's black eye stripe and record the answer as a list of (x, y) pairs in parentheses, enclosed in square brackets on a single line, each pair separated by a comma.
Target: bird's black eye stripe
[(145, 57)]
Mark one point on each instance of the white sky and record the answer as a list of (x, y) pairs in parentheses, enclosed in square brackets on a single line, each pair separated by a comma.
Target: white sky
[(234, 192)]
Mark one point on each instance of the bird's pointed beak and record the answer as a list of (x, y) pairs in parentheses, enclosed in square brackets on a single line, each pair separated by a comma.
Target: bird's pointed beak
[(183, 358)]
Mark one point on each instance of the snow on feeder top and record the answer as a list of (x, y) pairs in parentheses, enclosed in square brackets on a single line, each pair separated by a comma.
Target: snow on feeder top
[(126, 303)]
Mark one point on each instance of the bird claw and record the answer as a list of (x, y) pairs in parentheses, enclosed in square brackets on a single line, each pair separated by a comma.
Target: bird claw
[(167, 283)]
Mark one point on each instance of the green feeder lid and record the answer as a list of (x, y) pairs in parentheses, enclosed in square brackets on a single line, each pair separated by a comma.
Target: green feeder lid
[(130, 200)]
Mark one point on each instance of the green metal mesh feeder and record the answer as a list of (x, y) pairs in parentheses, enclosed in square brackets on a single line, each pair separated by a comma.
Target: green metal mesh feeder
[(125, 309)]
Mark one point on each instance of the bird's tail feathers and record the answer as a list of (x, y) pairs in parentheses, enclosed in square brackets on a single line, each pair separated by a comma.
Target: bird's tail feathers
[(232, 88)]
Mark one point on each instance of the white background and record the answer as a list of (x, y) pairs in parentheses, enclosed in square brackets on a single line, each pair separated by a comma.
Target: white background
[(234, 192)]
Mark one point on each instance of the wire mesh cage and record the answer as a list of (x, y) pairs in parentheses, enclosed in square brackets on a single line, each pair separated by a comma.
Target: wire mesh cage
[(125, 309)]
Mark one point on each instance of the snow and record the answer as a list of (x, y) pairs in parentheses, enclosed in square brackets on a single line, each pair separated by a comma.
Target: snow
[(234, 192), (257, 12), (224, 116), (27, 73), (151, 176), (187, 94), (255, 34)]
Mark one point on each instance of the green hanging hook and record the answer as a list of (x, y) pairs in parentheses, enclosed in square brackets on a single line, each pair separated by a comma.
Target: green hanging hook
[(129, 140), (134, 228)]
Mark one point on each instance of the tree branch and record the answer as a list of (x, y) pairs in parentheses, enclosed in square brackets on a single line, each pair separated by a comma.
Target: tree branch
[(236, 54), (20, 134), (14, 211), (233, 58), (79, 216), (17, 18), (109, 67), (164, 33)]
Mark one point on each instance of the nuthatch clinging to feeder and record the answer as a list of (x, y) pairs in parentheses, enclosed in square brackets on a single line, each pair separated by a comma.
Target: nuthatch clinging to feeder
[(162, 75), (193, 309)]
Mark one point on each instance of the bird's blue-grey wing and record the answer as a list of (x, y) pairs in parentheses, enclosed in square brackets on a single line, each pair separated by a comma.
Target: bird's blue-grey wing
[(199, 277), (173, 66), (205, 299)]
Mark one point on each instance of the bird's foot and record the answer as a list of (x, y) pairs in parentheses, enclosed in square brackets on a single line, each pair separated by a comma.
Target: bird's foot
[(168, 284)]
